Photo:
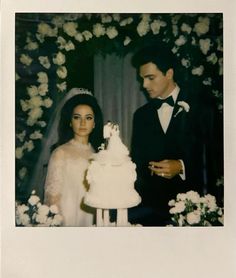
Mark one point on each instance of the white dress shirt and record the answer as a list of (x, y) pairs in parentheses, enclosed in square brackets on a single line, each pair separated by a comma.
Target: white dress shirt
[(165, 113)]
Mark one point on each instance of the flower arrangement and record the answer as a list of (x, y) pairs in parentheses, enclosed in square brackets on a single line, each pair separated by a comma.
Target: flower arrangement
[(36, 214), (189, 209)]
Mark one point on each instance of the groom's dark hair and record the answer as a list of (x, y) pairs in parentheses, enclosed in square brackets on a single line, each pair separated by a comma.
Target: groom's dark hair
[(158, 54)]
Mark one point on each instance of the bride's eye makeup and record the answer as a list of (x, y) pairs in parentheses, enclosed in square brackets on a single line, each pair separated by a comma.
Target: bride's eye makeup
[(78, 116), (89, 117)]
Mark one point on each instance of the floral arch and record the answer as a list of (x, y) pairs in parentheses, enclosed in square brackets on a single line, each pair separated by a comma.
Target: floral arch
[(44, 50)]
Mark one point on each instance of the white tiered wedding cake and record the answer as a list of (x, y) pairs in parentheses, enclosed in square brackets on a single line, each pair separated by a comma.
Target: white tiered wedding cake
[(111, 176)]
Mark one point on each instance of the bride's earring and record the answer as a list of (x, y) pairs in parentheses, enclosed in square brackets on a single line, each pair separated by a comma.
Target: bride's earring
[(70, 125)]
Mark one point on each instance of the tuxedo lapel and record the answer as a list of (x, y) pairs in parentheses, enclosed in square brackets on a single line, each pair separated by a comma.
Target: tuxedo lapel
[(178, 118)]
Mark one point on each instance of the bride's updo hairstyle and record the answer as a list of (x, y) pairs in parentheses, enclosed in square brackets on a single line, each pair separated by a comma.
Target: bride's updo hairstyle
[(65, 132)]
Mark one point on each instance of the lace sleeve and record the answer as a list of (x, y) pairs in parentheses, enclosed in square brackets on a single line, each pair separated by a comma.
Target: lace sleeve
[(54, 178)]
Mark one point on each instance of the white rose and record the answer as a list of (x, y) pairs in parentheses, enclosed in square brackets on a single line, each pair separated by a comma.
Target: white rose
[(61, 41), (143, 28), (19, 152), (43, 89), (44, 29), (57, 220), (43, 210), (21, 135), (156, 26), (79, 37), (54, 209), (33, 200), (178, 208), (111, 32), (87, 35), (29, 145), (186, 28), (62, 86), (207, 81), (42, 77), (59, 59), (105, 18), (26, 59), (22, 172), (25, 219), (186, 63), (35, 113), (69, 46), (175, 19), (41, 218), (35, 102), (31, 46), (175, 49), (36, 135), (62, 72), (198, 71), (99, 30), (181, 197), (211, 202), (48, 102), (127, 40), (41, 123), (126, 21), (202, 27), (216, 93), (40, 37), (193, 217), (205, 45), (58, 21), (116, 17), (146, 17), (171, 203), (193, 196), (22, 209), (48, 222), (24, 105), (32, 91), (44, 61), (181, 40)]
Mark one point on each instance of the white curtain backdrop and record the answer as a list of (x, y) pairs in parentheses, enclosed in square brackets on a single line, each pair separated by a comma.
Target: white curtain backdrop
[(117, 91)]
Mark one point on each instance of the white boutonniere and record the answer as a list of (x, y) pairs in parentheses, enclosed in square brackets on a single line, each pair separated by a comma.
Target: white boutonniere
[(182, 106)]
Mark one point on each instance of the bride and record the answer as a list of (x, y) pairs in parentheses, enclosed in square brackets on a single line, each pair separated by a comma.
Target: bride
[(79, 136)]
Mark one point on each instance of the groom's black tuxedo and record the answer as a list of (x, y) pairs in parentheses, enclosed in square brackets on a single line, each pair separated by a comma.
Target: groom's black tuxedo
[(186, 138)]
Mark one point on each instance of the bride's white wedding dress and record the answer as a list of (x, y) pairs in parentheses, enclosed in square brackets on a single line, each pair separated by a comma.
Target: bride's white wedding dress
[(66, 184)]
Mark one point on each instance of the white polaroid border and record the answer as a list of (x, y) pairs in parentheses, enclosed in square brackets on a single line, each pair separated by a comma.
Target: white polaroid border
[(115, 252)]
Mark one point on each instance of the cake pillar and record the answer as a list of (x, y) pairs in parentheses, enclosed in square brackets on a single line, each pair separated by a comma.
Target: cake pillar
[(106, 217), (99, 219), (122, 217)]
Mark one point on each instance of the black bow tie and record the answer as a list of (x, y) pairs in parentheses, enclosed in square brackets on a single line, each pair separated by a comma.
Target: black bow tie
[(157, 102)]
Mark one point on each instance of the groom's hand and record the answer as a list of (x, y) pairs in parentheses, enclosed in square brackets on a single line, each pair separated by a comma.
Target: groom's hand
[(167, 168)]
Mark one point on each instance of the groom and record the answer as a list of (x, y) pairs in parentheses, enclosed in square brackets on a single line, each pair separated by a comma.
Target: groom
[(170, 136)]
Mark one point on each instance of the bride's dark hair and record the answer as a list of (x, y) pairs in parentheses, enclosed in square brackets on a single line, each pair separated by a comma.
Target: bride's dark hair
[(65, 132)]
